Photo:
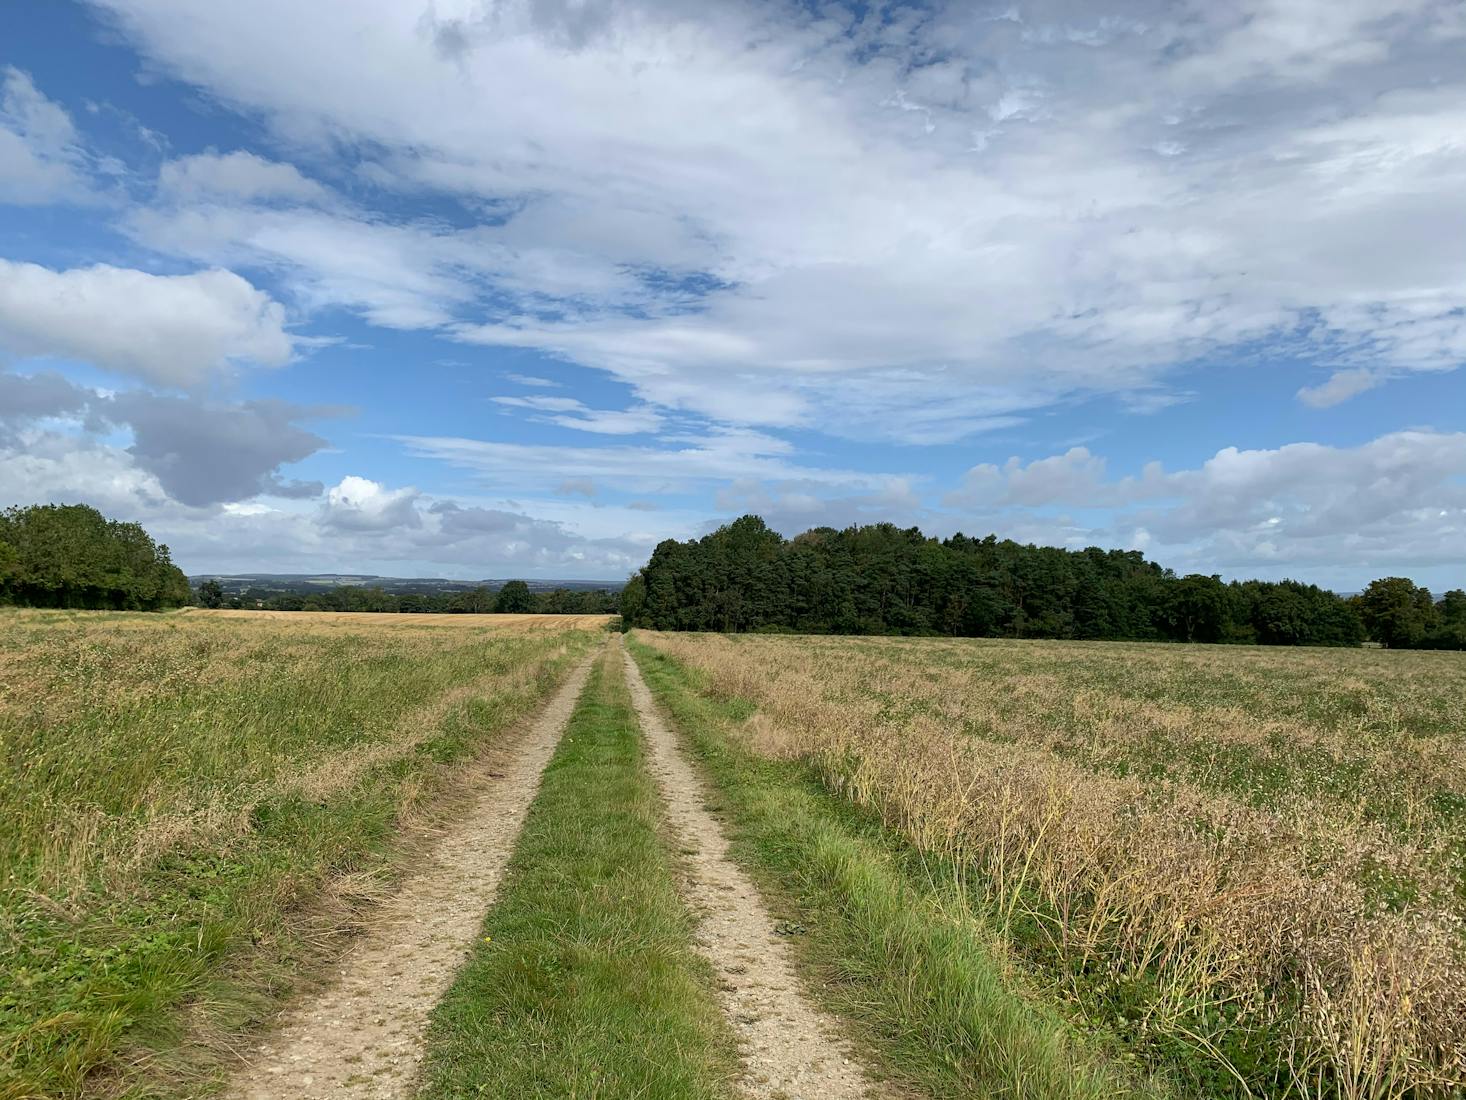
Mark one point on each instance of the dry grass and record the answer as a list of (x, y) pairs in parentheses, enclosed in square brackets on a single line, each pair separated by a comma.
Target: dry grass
[(549, 623), (1251, 862), (177, 789)]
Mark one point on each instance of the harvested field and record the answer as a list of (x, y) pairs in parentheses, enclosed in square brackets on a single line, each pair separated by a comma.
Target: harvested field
[(1247, 865)]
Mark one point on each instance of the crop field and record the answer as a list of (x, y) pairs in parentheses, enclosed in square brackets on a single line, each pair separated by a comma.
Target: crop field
[(268, 855), (1243, 869), (197, 804)]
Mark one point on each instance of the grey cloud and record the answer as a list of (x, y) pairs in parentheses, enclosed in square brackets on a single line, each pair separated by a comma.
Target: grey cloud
[(204, 454), (26, 397)]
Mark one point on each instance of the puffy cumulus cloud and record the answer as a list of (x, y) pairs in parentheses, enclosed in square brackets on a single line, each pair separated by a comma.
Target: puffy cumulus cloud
[(1074, 477), (237, 175), (1395, 502), (891, 235), (204, 453), (172, 330), (41, 158), (359, 504)]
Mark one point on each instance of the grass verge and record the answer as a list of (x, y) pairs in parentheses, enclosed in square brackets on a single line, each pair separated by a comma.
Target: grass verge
[(890, 938), (585, 982), (196, 814)]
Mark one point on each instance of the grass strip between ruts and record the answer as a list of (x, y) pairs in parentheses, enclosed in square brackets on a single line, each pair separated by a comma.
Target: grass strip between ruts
[(585, 982)]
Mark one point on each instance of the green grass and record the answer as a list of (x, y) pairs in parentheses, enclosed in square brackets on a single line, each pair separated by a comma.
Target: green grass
[(585, 983), (190, 821), (891, 940)]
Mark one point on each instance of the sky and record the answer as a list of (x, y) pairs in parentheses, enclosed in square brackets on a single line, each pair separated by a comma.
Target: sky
[(489, 288)]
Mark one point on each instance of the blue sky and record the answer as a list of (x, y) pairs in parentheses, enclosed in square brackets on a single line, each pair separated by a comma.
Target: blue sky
[(480, 289)]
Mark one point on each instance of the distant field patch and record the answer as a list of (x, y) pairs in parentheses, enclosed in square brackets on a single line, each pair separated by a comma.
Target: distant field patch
[(194, 803), (1247, 865), (388, 618)]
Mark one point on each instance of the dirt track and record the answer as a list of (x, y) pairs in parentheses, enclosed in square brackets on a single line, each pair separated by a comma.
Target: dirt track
[(361, 1037), (791, 1050)]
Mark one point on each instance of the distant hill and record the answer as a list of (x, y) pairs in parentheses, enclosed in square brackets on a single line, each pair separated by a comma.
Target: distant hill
[(235, 584)]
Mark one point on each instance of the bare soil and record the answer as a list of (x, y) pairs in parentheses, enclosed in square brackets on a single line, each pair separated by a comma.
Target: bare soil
[(790, 1049), (361, 1038)]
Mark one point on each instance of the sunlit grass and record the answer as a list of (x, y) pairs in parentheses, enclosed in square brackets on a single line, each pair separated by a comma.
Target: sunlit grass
[(585, 982)]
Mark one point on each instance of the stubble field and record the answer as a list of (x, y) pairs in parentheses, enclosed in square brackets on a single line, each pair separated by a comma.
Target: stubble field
[(1243, 868)]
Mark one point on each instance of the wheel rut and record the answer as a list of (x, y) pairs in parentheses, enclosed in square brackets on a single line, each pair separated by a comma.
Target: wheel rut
[(791, 1050), (361, 1038)]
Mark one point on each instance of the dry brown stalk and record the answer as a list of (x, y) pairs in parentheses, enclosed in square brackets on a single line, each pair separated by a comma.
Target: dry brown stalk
[(1256, 829)]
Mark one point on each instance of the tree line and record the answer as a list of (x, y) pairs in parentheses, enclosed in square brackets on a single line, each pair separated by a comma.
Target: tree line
[(70, 555), (881, 579), (514, 597)]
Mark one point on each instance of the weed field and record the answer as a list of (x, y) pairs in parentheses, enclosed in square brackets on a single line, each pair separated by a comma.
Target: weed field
[(197, 804), (1243, 869)]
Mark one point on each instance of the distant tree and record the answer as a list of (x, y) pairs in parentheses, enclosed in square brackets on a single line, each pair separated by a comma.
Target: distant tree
[(514, 599), (1449, 631), (9, 567), (73, 556), (1452, 607), (1198, 608), (883, 579), (633, 601), (211, 594), (476, 601), (1396, 612)]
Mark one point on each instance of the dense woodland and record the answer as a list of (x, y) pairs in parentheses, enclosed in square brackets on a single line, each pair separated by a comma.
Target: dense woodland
[(60, 555), (883, 579), (513, 597)]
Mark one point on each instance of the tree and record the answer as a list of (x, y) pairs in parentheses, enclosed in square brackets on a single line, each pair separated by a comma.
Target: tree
[(211, 594), (1198, 608), (1396, 612), (882, 579), (73, 556), (633, 601), (514, 599)]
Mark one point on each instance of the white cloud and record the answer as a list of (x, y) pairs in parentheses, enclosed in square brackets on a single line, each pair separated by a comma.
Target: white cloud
[(1396, 501), (1340, 386), (41, 160), (680, 464), (570, 413), (173, 330), (1074, 477), (239, 175), (360, 504), (871, 244)]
